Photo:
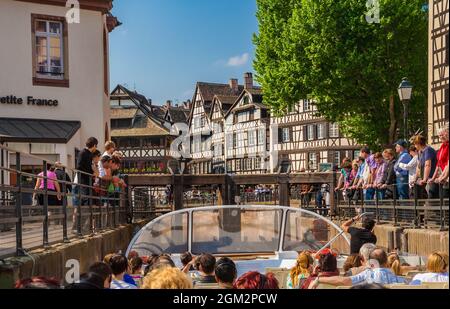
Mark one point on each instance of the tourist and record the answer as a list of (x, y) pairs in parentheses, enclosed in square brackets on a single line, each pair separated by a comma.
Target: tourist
[(348, 174), (379, 173), (186, 259), (411, 167), (119, 266), (206, 264), (83, 178), (301, 271), (437, 269), (441, 174), (388, 182), (96, 156), (369, 286), (353, 262), (368, 174), (378, 273), (364, 255), (38, 283), (54, 196), (136, 270), (63, 176), (402, 175), (427, 166), (396, 266), (327, 268), (99, 277), (110, 149), (254, 280), (149, 263), (226, 273), (305, 194), (167, 278), (162, 261), (360, 236)]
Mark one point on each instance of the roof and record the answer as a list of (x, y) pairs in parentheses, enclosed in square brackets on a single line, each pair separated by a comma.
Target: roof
[(37, 130), (209, 90), (123, 113), (159, 111), (178, 114), (150, 129), (257, 100), (151, 111)]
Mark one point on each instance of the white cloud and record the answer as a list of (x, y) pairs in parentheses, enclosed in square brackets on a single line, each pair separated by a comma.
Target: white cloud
[(238, 61)]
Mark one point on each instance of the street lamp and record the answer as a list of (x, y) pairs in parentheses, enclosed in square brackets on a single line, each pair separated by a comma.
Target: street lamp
[(405, 93)]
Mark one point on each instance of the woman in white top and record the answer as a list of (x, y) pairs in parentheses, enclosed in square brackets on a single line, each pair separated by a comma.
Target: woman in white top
[(411, 167), (437, 267)]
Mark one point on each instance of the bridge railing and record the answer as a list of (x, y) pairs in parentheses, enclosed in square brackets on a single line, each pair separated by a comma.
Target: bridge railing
[(76, 205), (414, 212)]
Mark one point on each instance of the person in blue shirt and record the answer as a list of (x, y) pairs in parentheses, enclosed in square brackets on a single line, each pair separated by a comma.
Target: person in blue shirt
[(377, 273), (401, 174)]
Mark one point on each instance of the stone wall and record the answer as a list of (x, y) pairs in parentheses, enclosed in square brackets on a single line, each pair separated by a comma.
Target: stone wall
[(52, 262), (414, 241)]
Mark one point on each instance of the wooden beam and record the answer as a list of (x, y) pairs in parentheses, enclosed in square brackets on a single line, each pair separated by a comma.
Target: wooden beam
[(311, 178), (149, 180)]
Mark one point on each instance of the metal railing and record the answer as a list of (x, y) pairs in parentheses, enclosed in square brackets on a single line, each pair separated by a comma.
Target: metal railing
[(415, 212), (32, 217)]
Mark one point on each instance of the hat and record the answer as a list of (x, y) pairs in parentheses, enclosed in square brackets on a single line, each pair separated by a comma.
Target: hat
[(402, 143)]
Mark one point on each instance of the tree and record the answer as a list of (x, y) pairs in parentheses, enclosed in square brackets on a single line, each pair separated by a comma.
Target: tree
[(327, 51)]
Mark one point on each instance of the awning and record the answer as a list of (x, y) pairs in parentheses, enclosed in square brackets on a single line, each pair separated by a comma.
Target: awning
[(37, 130)]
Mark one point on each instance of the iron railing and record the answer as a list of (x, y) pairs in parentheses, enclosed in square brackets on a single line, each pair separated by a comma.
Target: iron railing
[(415, 212), (77, 210)]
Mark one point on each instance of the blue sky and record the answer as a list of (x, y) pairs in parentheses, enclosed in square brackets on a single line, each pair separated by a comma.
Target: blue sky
[(165, 46)]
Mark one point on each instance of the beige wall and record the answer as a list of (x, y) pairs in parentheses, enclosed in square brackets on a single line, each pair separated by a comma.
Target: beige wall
[(437, 77), (85, 99)]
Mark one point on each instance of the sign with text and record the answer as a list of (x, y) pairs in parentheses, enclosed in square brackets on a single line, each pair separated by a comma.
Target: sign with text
[(29, 100)]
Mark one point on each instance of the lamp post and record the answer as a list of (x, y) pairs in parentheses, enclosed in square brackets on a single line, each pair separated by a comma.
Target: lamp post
[(405, 93)]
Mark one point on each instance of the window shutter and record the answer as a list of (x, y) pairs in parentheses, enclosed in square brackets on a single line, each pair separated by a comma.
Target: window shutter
[(305, 133), (291, 134), (326, 130), (280, 135), (315, 131)]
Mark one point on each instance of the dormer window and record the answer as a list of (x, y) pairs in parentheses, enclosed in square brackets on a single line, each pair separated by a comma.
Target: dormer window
[(246, 100)]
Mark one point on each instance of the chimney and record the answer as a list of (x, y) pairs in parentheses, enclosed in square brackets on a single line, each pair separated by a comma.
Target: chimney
[(234, 85), (168, 103), (187, 104), (248, 77)]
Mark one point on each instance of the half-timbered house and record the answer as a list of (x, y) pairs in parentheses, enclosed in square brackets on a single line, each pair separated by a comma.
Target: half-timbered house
[(201, 126), (438, 87), (142, 137), (246, 132), (303, 140)]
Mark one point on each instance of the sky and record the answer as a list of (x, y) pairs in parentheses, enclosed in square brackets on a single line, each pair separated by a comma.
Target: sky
[(165, 46)]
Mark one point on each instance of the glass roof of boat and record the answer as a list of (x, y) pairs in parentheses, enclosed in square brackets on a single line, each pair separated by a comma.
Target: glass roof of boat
[(238, 230)]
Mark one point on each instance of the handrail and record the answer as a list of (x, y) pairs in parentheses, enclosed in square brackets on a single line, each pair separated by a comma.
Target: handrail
[(104, 209)]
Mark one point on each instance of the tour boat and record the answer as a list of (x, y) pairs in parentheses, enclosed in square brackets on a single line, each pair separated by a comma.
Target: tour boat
[(258, 238)]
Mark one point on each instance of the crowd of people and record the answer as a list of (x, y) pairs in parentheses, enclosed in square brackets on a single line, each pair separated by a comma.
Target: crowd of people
[(398, 173), (97, 174), (370, 268)]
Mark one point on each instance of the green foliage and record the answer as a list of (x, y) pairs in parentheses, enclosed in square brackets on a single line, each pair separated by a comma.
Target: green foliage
[(326, 50)]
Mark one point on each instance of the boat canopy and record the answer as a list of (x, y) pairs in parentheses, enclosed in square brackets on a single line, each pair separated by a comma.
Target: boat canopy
[(230, 230)]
